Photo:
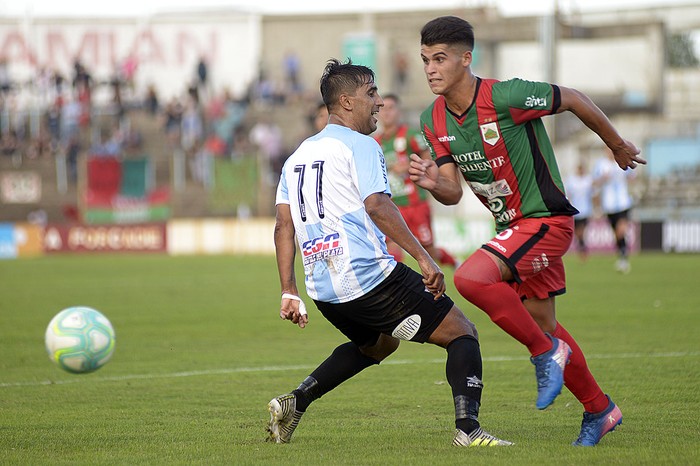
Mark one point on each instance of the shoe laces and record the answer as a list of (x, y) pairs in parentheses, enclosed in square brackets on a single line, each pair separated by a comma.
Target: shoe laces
[(542, 372), (588, 427)]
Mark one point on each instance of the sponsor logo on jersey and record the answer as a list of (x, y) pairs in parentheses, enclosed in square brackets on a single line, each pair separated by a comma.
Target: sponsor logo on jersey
[(447, 138), (506, 216), (495, 244), (540, 263), (534, 101), (498, 188), (477, 162), (408, 328), (489, 133), (321, 248)]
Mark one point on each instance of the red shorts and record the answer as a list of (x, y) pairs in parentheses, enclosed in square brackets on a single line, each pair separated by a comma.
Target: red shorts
[(417, 218), (533, 249)]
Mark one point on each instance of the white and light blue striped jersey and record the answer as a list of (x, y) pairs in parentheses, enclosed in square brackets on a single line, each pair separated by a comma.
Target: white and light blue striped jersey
[(325, 182), (611, 183), (579, 190)]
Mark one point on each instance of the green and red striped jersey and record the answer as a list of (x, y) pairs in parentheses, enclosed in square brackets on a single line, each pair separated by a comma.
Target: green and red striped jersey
[(398, 148), (502, 149)]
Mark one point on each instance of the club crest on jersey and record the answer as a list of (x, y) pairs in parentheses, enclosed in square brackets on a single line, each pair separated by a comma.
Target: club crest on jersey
[(489, 133), (400, 144)]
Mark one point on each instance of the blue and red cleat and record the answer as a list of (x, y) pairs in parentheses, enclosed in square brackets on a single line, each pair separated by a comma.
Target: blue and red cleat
[(596, 425), (549, 370)]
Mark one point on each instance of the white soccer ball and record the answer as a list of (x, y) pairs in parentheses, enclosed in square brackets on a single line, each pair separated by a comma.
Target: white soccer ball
[(80, 339)]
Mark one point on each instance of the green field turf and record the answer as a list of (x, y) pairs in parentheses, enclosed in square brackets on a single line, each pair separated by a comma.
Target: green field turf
[(201, 350)]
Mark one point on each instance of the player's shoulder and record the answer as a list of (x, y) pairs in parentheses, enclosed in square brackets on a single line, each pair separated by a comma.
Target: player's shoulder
[(516, 83), (427, 114), (353, 140)]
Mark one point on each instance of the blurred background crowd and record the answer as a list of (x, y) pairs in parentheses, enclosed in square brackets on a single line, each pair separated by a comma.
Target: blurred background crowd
[(213, 116)]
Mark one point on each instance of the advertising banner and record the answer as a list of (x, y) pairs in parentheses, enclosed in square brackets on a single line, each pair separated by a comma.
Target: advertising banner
[(8, 248), (108, 238), (20, 187)]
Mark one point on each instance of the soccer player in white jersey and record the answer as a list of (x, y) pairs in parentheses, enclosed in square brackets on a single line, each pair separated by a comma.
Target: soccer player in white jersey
[(579, 190), (333, 202), (616, 203)]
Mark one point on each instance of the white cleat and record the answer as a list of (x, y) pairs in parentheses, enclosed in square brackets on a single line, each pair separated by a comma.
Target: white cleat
[(478, 438), (284, 418)]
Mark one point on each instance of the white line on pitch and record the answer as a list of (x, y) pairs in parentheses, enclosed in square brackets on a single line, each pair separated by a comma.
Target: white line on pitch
[(238, 370)]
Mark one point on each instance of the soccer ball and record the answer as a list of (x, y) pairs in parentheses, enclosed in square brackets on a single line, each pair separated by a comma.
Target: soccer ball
[(80, 339)]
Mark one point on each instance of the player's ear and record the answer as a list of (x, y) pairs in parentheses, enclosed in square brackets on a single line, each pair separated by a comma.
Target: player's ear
[(467, 58), (345, 101)]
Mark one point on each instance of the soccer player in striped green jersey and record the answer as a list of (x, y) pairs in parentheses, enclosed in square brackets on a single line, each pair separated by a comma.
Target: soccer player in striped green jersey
[(491, 134)]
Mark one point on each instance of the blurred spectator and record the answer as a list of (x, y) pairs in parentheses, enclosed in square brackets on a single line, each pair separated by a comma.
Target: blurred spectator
[(265, 91), (72, 149), (39, 145), (53, 124), (203, 77), (84, 100), (81, 75), (113, 144), (5, 81), (400, 72), (193, 94), (267, 138), (70, 120), (127, 71), (320, 117), (151, 103), (192, 127), (58, 87), (38, 217), (317, 119), (117, 99), (226, 115), (579, 190), (291, 71), (173, 122), (43, 85), (10, 147)]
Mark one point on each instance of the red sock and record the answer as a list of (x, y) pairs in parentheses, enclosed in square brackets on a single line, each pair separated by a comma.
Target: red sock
[(479, 281), (578, 378), (446, 258), (395, 251)]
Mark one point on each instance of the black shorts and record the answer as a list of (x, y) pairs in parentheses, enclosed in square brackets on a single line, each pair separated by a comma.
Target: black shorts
[(615, 218), (580, 222), (399, 306)]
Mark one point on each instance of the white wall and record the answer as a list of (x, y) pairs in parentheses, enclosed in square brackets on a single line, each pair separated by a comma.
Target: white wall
[(168, 48), (609, 66)]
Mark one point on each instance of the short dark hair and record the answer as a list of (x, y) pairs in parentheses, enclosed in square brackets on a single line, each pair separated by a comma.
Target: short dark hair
[(450, 30), (393, 97), (339, 78)]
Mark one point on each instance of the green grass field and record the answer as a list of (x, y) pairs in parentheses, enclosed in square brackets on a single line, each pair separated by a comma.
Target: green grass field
[(201, 350)]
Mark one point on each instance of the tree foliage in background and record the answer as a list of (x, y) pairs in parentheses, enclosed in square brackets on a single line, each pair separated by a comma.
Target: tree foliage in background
[(681, 52)]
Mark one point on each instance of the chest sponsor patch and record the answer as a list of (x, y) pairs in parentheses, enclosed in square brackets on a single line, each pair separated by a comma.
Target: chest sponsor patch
[(498, 188), (321, 248)]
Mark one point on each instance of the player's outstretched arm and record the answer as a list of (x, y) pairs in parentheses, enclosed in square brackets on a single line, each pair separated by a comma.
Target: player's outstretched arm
[(285, 251), (626, 153), (388, 219)]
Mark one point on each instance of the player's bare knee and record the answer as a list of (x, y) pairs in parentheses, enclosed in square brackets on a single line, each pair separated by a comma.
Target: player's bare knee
[(454, 325), (384, 346)]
